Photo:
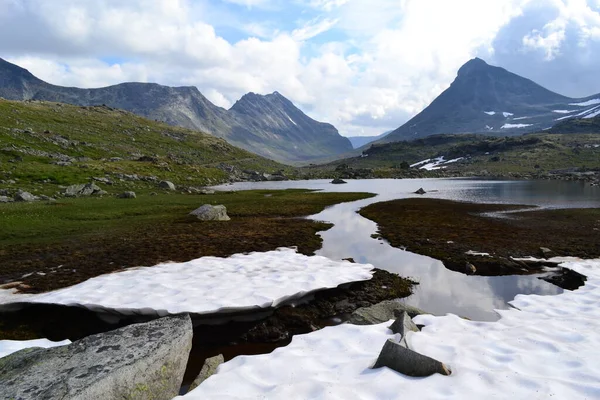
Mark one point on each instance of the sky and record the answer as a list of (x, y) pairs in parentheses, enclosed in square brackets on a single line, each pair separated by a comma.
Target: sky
[(366, 66)]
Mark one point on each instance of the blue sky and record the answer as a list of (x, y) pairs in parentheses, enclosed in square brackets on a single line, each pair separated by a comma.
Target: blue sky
[(366, 66)]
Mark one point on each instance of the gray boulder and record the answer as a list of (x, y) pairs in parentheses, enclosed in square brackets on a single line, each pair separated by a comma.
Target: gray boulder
[(397, 357), (127, 195), (420, 191), (338, 181), (5, 199), (208, 369), (382, 312), (209, 212), (402, 325), (140, 361), (25, 197), (166, 185), (87, 189)]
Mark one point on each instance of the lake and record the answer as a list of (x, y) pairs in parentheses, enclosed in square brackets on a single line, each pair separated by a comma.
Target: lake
[(440, 290)]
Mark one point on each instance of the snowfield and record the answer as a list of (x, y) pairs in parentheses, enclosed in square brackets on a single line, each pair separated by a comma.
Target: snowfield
[(11, 346), (435, 163), (546, 347), (205, 285), (586, 103), (510, 126)]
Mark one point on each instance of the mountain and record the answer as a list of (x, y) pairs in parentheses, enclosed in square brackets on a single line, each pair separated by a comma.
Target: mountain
[(493, 101), (269, 125), (359, 141)]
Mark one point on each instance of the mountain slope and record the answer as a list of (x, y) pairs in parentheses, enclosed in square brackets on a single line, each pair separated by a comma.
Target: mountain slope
[(491, 100), (264, 131), (359, 141)]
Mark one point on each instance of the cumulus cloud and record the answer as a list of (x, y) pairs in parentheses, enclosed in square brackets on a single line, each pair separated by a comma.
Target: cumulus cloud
[(364, 66)]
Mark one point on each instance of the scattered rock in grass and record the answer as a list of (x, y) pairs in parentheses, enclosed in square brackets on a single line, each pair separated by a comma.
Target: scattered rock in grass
[(420, 191), (46, 198), (382, 312), (208, 369), (209, 212), (87, 189), (106, 181), (140, 361), (127, 195), (408, 362), (25, 196), (166, 185), (207, 191), (338, 181), (5, 199)]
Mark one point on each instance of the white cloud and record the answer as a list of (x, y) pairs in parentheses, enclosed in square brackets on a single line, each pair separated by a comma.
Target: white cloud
[(388, 60)]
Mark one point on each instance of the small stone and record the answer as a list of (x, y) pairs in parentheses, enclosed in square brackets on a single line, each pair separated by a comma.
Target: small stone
[(25, 197), (166, 185), (470, 268), (127, 195), (338, 181), (402, 325), (545, 251), (209, 212), (420, 191), (208, 369), (408, 362), (5, 199)]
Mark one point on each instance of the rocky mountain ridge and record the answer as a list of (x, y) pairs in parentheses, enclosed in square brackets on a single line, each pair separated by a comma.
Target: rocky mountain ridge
[(270, 125)]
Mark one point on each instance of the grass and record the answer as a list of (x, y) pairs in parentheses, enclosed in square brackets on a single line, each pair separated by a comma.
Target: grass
[(75, 239), (101, 141), (446, 230)]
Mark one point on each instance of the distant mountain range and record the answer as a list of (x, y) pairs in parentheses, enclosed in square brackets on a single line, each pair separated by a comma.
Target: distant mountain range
[(493, 101), (268, 125), (359, 141)]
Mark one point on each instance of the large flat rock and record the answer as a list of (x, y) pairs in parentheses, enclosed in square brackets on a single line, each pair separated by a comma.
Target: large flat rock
[(140, 361)]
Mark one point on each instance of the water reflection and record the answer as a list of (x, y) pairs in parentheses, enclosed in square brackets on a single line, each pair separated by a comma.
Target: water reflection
[(440, 290)]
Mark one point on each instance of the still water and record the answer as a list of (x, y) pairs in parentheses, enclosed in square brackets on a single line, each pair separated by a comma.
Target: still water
[(440, 290)]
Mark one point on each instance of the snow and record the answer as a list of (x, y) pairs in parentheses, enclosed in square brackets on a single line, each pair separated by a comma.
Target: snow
[(490, 112), (291, 120), (586, 103), (489, 128), (11, 346), (510, 126), (205, 285), (594, 114), (588, 111), (520, 118), (507, 114), (563, 111), (435, 163), (475, 253), (545, 347)]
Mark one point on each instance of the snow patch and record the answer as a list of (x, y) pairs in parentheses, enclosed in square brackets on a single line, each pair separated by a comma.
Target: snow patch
[(12, 346), (507, 114), (291, 120), (489, 128), (564, 111), (546, 347), (475, 253), (490, 112), (586, 103), (510, 126), (592, 115), (205, 285), (520, 118), (435, 163)]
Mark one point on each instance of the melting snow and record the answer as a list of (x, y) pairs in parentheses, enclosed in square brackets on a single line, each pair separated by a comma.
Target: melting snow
[(510, 126), (489, 128), (291, 120), (435, 163), (592, 115), (586, 103), (11, 346), (507, 114), (517, 119), (563, 111), (490, 112), (546, 347), (205, 285)]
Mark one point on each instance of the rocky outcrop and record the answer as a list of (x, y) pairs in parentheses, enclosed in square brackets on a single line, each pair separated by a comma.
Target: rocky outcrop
[(208, 369), (88, 189), (209, 212), (401, 359), (382, 312), (140, 361), (420, 191), (25, 197)]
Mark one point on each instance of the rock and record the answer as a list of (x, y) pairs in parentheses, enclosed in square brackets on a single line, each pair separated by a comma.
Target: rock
[(5, 199), (46, 198), (87, 189), (208, 369), (207, 191), (382, 312), (25, 196), (106, 181), (166, 185), (338, 181), (420, 191), (140, 361), (127, 195), (208, 212), (545, 251), (470, 268), (408, 362), (402, 325)]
